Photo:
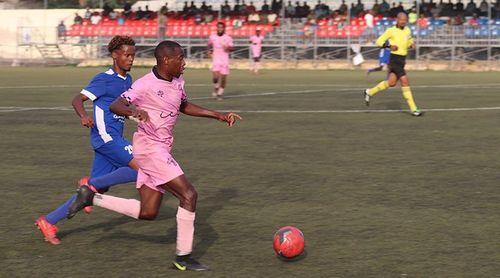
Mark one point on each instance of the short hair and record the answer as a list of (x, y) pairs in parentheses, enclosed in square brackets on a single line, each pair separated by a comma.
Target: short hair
[(117, 42), (166, 49), (221, 23)]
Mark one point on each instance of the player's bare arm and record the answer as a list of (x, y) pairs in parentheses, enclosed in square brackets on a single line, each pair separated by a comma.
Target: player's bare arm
[(77, 103), (198, 111), (122, 107)]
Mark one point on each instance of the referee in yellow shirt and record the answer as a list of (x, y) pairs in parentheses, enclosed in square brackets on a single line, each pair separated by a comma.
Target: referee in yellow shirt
[(400, 40)]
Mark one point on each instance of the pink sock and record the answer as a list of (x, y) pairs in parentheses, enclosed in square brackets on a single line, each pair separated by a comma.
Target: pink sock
[(129, 207), (185, 231)]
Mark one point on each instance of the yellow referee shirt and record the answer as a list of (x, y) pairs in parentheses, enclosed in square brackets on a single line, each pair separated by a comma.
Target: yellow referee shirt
[(399, 37)]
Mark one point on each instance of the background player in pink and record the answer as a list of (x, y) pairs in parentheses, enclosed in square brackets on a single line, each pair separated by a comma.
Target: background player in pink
[(219, 45), (158, 97), (256, 48)]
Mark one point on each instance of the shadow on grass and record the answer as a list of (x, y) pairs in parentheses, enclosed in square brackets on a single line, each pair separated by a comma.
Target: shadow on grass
[(295, 259), (205, 234)]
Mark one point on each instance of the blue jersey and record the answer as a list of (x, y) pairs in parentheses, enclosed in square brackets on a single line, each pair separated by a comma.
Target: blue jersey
[(383, 56), (103, 89)]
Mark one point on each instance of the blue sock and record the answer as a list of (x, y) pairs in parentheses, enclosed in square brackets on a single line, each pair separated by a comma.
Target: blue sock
[(60, 213), (118, 176)]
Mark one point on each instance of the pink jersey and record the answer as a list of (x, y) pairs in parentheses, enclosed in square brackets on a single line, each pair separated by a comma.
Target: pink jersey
[(152, 143), (256, 46), (219, 45), (162, 100)]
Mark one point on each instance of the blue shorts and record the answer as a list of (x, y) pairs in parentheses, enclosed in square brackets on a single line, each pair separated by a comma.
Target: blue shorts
[(384, 55), (111, 156)]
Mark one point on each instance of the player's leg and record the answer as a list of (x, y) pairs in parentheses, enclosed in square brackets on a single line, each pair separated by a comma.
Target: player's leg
[(408, 96), (181, 188), (47, 223), (223, 80), (147, 208), (257, 65), (390, 82), (216, 82), (379, 68)]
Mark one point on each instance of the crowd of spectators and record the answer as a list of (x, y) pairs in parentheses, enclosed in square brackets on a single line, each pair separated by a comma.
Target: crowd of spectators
[(456, 12)]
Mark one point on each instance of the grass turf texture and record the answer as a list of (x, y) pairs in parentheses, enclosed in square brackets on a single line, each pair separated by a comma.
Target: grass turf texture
[(376, 194)]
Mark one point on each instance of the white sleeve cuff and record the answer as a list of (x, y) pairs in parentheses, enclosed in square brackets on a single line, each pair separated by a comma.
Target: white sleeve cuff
[(88, 94)]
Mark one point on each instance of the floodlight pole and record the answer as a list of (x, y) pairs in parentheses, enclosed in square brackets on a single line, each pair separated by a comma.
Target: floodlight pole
[(489, 35)]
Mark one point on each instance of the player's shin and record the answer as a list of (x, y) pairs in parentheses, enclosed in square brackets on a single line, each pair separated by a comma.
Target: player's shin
[(129, 207), (380, 87), (185, 231), (409, 98), (119, 176)]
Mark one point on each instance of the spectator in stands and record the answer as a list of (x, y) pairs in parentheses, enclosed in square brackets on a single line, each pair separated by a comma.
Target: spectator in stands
[(384, 8), (95, 18), (139, 14), (78, 20), (106, 9), (193, 10), (400, 8), (251, 8), (423, 22), (394, 10), (306, 10), (113, 15), (459, 7), (265, 7), (483, 8), (473, 21), (87, 14), (376, 7), (162, 23), (436, 11), (209, 15), (236, 8), (185, 9), (369, 22), (470, 9), (359, 8), (147, 13), (343, 8), (272, 19), (447, 9), (289, 10), (298, 10), (164, 10), (254, 18), (204, 7), (412, 16), (198, 19), (225, 9), (276, 6), (127, 9), (61, 31), (243, 8), (457, 20)]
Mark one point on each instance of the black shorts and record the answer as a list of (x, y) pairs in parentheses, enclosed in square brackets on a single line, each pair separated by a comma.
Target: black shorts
[(256, 59), (397, 65)]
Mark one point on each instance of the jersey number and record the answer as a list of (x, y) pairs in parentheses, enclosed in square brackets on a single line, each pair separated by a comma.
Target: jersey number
[(128, 149)]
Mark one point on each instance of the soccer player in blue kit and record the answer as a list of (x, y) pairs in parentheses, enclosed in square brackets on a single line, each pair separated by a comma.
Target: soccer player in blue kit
[(113, 162), (383, 60)]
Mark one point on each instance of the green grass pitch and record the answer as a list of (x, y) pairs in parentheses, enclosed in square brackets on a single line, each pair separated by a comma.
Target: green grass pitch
[(379, 194)]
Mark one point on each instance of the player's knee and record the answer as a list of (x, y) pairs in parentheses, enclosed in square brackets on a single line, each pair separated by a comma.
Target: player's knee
[(190, 196), (391, 83), (215, 80), (148, 214)]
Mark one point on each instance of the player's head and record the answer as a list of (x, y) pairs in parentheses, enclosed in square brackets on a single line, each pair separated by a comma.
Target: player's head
[(170, 56), (221, 28), (257, 32), (122, 49), (401, 20)]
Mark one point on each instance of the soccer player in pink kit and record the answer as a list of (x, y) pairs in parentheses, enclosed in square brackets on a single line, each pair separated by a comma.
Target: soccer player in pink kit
[(256, 48), (219, 45), (158, 98)]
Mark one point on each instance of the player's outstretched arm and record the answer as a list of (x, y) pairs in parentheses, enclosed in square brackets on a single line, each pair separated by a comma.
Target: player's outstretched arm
[(122, 107), (198, 111), (77, 103)]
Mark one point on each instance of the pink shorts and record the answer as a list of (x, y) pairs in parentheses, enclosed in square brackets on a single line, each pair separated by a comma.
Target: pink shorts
[(221, 68), (156, 164)]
